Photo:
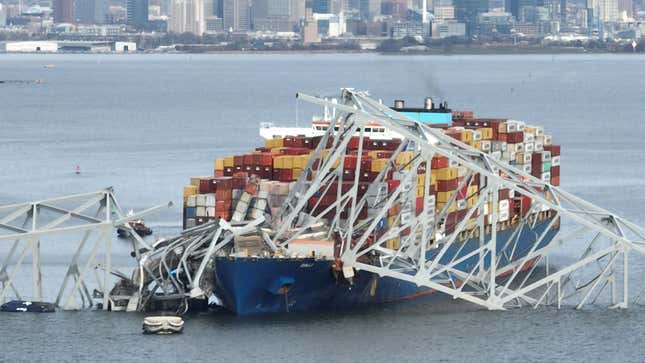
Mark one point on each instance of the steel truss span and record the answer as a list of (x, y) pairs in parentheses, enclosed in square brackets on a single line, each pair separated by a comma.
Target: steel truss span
[(92, 217), (604, 241)]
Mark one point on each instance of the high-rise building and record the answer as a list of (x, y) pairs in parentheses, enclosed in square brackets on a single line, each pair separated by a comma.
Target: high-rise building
[(63, 11), (467, 11), (321, 6), (90, 11), (187, 16), (3, 15), (277, 15), (137, 13), (626, 6), (236, 15)]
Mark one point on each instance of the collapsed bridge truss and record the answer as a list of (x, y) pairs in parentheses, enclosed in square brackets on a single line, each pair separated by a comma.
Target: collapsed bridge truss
[(603, 239)]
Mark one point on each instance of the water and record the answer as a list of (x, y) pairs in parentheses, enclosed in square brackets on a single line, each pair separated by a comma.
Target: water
[(145, 123)]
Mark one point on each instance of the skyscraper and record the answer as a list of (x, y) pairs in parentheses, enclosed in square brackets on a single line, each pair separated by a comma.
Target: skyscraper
[(137, 13), (187, 16), (63, 11), (236, 15), (90, 11)]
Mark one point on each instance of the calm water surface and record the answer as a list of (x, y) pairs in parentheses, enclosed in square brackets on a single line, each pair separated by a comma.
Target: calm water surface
[(145, 123)]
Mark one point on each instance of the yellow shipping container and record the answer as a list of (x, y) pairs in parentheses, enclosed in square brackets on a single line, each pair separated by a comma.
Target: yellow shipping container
[(391, 220), (476, 144), (190, 190), (394, 243), (278, 163), (404, 157), (421, 179), (487, 133), (452, 208), (446, 173), (472, 200), (229, 161), (297, 162), (466, 135), (296, 173), (444, 197), (433, 179), (420, 190), (194, 180), (219, 164)]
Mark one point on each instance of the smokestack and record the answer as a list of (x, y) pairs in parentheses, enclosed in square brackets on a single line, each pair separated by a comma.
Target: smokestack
[(399, 104), (428, 105)]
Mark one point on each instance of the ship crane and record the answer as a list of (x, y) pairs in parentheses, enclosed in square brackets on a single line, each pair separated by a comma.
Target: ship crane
[(604, 240)]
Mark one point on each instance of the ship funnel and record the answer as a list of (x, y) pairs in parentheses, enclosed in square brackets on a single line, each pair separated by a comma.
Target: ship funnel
[(428, 103), (399, 104)]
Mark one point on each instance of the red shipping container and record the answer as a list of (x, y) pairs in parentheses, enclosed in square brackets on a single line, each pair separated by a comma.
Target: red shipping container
[(419, 206), (555, 180), (219, 173), (515, 137), (554, 149), (223, 183), (238, 168), (205, 185), (349, 174), (555, 171), (226, 215), (228, 171), (525, 205), (238, 160), (295, 151), (447, 185), (247, 159), (349, 162), (392, 185), (368, 176), (223, 195), (223, 205), (251, 188), (439, 162)]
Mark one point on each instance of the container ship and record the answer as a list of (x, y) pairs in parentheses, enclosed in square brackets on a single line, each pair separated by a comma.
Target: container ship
[(251, 277)]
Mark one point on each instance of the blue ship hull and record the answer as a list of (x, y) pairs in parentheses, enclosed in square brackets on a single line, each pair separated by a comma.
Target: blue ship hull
[(250, 286)]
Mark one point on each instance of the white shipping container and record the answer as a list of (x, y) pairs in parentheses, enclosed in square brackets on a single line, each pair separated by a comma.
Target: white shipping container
[(528, 147), (539, 131), (200, 211), (503, 216), (238, 216), (200, 200), (462, 204), (209, 200), (539, 146), (555, 161), (452, 163), (529, 137), (210, 211), (546, 177), (245, 198), (190, 201), (477, 135), (521, 125), (486, 145), (546, 156), (263, 194), (511, 126), (519, 147), (547, 140), (190, 223), (523, 158), (461, 171), (237, 194), (503, 205), (496, 154)]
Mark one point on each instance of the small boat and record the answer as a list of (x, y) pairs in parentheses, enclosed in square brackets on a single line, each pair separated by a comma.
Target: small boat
[(21, 306), (138, 225), (162, 325)]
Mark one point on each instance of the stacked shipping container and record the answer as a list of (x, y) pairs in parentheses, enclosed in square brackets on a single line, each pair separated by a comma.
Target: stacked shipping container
[(249, 185)]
